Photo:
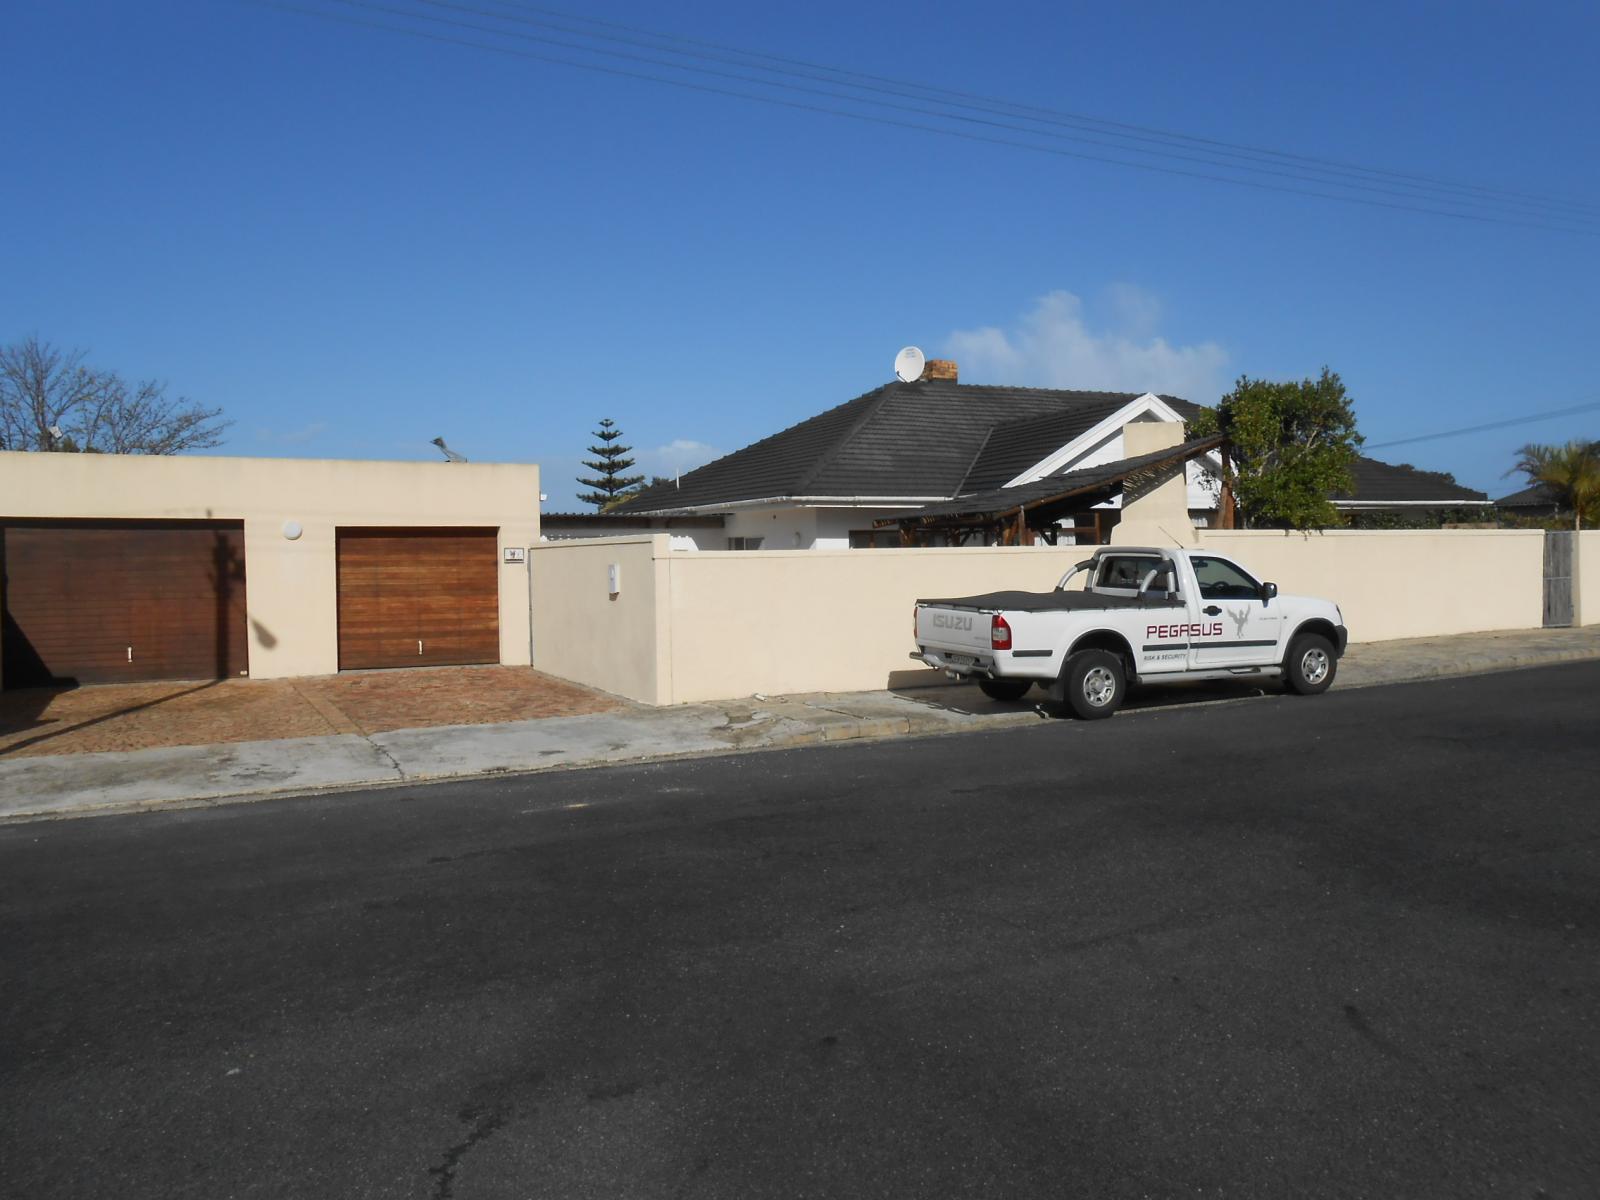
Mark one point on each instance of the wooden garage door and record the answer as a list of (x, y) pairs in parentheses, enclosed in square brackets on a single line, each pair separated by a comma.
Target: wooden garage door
[(109, 601), (418, 597)]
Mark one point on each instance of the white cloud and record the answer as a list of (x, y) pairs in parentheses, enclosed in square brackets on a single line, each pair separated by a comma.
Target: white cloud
[(294, 437), (1053, 345), (678, 456)]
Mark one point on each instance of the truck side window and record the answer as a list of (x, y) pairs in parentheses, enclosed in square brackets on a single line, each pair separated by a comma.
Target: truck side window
[(1219, 579)]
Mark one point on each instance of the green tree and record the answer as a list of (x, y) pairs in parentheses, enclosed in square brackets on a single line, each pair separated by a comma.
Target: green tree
[(611, 486), (1291, 446), (50, 400), (1570, 472)]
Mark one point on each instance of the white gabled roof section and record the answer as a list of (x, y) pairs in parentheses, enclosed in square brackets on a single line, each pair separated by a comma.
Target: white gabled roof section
[(1077, 452)]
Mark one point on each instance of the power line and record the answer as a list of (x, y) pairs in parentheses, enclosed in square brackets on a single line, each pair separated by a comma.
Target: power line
[(984, 103), (1165, 149), (423, 34), (1590, 406)]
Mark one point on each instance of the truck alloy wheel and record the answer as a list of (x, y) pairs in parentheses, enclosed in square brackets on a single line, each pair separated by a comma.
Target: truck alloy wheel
[(1310, 665), (1094, 683)]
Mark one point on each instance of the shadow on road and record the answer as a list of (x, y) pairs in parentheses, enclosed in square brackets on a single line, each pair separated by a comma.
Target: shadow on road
[(967, 699)]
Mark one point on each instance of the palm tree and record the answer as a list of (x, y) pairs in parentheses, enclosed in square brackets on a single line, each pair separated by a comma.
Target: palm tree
[(1570, 472)]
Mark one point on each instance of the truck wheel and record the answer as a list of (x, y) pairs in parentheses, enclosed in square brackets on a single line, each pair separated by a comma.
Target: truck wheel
[(1004, 689), (1311, 664), (1095, 683)]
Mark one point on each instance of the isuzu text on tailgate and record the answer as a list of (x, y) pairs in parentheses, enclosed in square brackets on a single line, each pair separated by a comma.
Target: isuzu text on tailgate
[(1133, 613)]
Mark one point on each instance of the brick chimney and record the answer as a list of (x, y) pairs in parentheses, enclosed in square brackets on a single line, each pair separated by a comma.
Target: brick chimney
[(941, 368)]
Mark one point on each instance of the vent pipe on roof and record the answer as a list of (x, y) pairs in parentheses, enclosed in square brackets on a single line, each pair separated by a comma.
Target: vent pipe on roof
[(941, 368)]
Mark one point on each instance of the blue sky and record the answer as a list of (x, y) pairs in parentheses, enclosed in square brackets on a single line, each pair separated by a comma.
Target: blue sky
[(353, 241)]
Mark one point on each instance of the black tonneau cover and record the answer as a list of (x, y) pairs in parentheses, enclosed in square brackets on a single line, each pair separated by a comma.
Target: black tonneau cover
[(1053, 601)]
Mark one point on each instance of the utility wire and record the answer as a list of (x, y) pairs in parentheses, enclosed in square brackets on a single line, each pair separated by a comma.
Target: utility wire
[(1282, 170), (1590, 406), (1164, 149), (1097, 121), (999, 106), (424, 34)]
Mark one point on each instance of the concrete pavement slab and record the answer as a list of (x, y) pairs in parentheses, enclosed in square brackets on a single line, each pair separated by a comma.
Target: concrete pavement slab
[(124, 779), (59, 785)]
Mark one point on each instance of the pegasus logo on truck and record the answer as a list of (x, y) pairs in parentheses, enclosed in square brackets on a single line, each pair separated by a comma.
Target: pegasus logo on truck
[(1240, 618)]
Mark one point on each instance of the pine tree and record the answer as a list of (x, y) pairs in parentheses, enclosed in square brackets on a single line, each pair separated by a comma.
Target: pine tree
[(611, 487)]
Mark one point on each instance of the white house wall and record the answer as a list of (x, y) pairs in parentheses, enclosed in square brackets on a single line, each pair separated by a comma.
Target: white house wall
[(834, 525), (779, 528)]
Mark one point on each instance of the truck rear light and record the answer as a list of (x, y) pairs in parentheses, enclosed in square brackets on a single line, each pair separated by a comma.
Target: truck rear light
[(999, 633)]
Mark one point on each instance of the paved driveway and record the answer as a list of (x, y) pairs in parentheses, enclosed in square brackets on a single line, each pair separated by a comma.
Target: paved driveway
[(140, 716)]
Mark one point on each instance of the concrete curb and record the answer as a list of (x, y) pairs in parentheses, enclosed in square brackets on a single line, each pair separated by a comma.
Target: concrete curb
[(205, 776)]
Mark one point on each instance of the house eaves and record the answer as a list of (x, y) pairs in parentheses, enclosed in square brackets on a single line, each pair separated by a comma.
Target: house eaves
[(1052, 464), (769, 501), (1348, 505)]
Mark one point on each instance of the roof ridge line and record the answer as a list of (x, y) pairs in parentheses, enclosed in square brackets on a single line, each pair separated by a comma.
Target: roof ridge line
[(982, 446), (826, 457)]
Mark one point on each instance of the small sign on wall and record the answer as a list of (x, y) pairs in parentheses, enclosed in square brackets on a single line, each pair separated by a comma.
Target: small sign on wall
[(515, 554)]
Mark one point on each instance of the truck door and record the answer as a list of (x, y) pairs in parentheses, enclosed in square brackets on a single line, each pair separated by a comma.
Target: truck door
[(1229, 596), (1159, 630)]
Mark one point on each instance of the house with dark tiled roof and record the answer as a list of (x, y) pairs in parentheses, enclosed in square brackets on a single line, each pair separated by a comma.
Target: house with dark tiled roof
[(1536, 501), (825, 482), (1385, 487)]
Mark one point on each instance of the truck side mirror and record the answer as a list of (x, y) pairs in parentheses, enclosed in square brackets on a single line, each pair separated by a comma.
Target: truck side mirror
[(1268, 591)]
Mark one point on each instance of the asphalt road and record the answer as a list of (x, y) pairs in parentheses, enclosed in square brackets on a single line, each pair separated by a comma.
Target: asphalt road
[(1334, 947)]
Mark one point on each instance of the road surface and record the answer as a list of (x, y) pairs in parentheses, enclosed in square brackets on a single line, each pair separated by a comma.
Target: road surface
[(1343, 946)]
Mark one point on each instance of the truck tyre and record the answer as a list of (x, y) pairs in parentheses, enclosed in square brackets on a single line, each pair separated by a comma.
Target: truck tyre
[(1310, 665), (1004, 689), (1094, 683)]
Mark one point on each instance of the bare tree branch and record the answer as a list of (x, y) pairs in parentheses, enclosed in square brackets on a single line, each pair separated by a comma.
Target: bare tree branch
[(50, 401)]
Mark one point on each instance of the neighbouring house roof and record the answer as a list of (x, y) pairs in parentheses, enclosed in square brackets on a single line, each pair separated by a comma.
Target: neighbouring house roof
[(1004, 501), (898, 443), (1538, 496), (614, 518), (1379, 483)]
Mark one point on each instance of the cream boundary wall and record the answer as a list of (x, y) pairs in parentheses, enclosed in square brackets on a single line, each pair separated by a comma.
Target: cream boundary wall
[(1402, 583), (691, 627), (290, 585), (1586, 585), (620, 643)]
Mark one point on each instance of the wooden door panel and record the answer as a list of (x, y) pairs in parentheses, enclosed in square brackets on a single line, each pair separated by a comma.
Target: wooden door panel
[(418, 597), (97, 602)]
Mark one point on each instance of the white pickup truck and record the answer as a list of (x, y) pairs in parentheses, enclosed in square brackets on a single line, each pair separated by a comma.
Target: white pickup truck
[(1135, 614)]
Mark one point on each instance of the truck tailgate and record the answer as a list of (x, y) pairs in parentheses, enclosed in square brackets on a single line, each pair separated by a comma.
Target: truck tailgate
[(952, 628)]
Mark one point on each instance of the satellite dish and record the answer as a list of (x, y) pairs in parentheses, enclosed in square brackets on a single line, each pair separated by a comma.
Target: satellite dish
[(908, 365)]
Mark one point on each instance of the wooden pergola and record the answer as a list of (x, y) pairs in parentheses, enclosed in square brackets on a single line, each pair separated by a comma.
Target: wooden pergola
[(1030, 512)]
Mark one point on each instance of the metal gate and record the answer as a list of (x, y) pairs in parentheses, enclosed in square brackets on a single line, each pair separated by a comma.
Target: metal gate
[(1558, 556)]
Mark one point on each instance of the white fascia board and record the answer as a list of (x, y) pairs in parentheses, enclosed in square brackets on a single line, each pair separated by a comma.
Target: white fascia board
[(794, 502), (1357, 505), (1147, 404)]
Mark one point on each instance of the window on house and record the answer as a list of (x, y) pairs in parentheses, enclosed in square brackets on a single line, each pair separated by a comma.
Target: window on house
[(745, 543), (874, 539)]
